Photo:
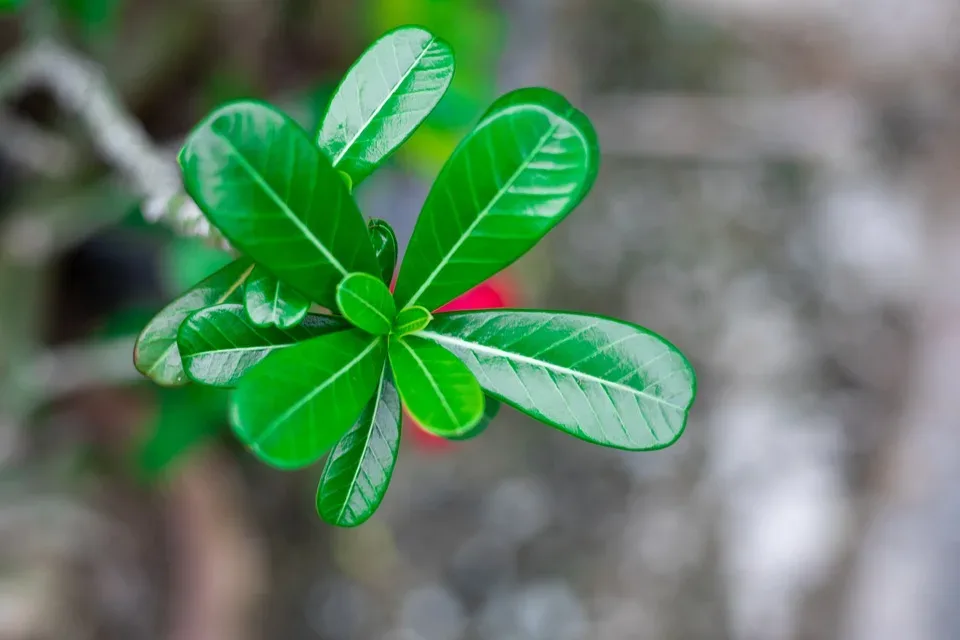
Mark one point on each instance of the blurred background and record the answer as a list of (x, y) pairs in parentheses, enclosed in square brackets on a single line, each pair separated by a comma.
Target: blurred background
[(779, 196)]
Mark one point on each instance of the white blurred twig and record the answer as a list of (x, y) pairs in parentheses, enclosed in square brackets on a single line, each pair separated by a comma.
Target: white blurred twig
[(80, 87), (39, 151), (821, 128), (68, 369)]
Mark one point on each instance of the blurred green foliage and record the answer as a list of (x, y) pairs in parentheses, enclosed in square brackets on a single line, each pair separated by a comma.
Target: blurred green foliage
[(94, 18), (187, 261), (184, 418)]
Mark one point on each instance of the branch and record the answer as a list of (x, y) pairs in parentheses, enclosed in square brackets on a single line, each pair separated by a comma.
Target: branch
[(819, 128), (79, 87), (68, 369), (39, 151)]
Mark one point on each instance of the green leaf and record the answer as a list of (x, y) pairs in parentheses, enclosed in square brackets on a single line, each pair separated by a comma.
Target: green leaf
[(526, 165), (367, 303), (410, 320), (263, 183), (383, 98), (600, 380), (296, 404), (269, 302), (358, 470), (155, 354), (491, 407), (385, 246), (220, 344), (437, 389), (347, 180)]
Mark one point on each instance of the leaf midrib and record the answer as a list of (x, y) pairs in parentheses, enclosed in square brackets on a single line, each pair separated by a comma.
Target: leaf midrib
[(284, 208), (364, 302), (516, 357), (486, 210), (229, 292), (430, 379), (390, 94), (255, 445), (366, 442), (276, 301)]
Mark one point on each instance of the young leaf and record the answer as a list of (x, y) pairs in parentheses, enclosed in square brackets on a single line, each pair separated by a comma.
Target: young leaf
[(410, 320), (387, 93), (263, 183), (358, 470), (385, 246), (220, 344), (366, 302), (292, 407), (155, 354), (269, 302), (491, 407), (601, 380), (526, 165), (437, 389)]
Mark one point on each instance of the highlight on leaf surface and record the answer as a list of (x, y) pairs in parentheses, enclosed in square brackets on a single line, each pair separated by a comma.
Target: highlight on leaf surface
[(411, 320), (261, 180), (358, 470), (366, 302), (155, 354), (383, 98), (601, 380), (437, 389), (220, 344), (297, 403), (385, 247), (269, 302), (525, 166)]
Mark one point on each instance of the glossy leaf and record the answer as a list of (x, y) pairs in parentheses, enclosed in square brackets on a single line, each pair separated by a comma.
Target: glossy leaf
[(296, 404), (269, 302), (220, 344), (437, 389), (385, 247), (491, 407), (359, 468), (410, 320), (601, 380), (526, 165), (367, 303), (387, 93), (262, 182), (155, 354)]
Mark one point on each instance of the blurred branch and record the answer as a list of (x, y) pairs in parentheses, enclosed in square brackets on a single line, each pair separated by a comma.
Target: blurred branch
[(39, 151), (220, 566), (821, 128), (38, 229), (80, 87), (72, 368)]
